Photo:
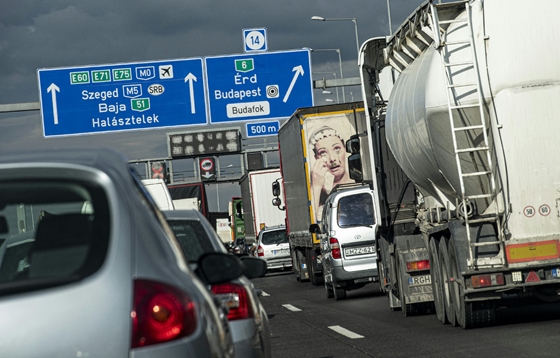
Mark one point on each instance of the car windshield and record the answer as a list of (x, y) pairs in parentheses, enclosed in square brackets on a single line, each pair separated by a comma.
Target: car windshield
[(192, 237), (355, 210), (274, 237), (51, 232)]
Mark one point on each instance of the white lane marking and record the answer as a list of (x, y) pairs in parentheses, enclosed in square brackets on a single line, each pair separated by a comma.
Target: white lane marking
[(264, 293), (345, 332), (291, 308)]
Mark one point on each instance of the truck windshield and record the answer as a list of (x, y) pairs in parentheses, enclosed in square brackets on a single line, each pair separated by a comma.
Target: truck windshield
[(355, 210)]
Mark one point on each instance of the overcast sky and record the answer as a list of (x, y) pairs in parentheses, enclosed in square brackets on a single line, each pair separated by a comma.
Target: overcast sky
[(62, 33)]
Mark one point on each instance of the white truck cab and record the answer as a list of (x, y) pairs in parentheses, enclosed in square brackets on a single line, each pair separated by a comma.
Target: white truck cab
[(159, 192)]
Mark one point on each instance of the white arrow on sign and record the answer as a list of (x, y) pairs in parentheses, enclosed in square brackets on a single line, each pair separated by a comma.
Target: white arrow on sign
[(299, 71), (54, 88), (190, 78), (208, 175)]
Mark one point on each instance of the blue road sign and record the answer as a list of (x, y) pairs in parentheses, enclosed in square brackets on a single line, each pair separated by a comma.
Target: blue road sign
[(255, 86), (255, 40), (262, 129), (121, 97)]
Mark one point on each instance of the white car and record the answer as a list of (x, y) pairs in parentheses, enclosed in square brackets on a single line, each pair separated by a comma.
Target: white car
[(273, 246)]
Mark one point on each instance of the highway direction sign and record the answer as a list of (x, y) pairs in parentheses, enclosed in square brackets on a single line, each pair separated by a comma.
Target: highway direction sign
[(255, 86), (121, 97)]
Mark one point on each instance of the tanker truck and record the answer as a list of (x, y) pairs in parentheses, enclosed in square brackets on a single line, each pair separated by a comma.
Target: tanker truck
[(471, 123)]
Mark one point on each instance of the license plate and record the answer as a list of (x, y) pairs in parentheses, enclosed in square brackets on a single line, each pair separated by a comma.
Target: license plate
[(419, 280), (353, 251), (282, 251)]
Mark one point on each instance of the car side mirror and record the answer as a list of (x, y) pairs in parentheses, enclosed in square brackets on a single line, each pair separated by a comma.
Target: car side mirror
[(355, 167), (275, 188), (353, 144), (314, 229), (253, 266), (217, 267)]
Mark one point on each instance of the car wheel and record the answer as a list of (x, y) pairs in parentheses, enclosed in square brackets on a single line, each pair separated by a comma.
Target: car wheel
[(339, 293)]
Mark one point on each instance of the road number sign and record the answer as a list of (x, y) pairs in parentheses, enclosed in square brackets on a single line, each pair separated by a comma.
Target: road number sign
[(255, 40)]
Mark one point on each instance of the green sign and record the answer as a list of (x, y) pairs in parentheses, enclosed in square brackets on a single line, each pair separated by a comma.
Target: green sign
[(79, 77), (122, 74), (140, 104), (100, 76), (244, 65)]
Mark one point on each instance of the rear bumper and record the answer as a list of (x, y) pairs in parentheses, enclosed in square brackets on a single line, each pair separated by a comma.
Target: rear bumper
[(341, 275), (279, 263), (245, 338)]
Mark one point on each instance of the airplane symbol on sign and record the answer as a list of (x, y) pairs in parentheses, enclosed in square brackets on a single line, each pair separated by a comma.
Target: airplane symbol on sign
[(166, 71)]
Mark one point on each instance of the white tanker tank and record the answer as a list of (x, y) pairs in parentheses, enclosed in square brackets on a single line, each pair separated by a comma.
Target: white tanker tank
[(518, 70), (473, 120)]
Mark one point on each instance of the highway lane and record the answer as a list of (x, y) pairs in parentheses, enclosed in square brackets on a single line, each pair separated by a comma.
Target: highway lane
[(304, 323)]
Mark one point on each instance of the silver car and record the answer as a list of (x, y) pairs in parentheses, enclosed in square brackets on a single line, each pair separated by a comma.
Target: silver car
[(273, 246), (90, 268), (248, 320), (347, 231)]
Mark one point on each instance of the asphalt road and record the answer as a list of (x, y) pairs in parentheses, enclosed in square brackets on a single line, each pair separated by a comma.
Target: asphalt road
[(304, 323)]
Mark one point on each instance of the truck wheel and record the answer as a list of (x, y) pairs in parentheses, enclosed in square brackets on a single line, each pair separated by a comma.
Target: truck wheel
[(437, 288), (381, 276), (315, 280), (469, 314), (443, 256), (457, 298), (477, 314), (320, 278), (339, 293), (302, 271), (295, 265)]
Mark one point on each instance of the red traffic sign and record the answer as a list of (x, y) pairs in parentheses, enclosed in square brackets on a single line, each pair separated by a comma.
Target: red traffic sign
[(207, 168)]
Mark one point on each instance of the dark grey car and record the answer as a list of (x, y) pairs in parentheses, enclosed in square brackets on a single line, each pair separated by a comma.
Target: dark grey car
[(247, 318), (89, 266)]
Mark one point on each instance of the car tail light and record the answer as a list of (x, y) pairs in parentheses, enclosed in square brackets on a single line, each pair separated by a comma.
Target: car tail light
[(234, 297), (335, 248), (494, 279), (260, 251), (421, 265), (161, 313)]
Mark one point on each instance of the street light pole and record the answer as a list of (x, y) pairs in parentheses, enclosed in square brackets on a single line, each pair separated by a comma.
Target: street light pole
[(334, 74), (389, 16), (353, 19), (339, 63)]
